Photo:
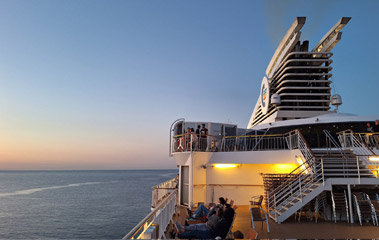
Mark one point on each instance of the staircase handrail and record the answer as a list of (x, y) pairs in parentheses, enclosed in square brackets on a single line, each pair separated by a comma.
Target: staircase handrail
[(359, 147), (301, 182), (359, 143), (292, 175)]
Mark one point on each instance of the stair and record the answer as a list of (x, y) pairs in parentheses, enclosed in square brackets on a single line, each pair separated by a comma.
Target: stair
[(345, 165), (318, 172), (340, 205)]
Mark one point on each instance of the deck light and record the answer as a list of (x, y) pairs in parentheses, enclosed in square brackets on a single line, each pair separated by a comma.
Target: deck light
[(285, 168), (373, 158), (225, 165)]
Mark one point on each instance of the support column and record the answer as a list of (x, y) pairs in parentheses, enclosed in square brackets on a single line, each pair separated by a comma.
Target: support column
[(350, 204)]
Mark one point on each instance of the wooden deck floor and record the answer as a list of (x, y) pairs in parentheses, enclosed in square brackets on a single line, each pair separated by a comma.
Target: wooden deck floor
[(293, 229), (304, 229)]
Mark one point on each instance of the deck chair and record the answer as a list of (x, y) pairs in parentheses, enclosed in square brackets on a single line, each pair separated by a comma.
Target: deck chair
[(364, 208), (258, 214), (375, 209), (256, 201)]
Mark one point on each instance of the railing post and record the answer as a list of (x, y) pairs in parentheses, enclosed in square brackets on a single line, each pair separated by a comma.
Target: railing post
[(275, 208), (290, 141), (359, 174), (322, 171), (301, 195)]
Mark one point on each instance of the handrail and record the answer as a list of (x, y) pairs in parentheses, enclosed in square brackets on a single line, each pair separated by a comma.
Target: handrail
[(217, 143), (150, 216), (299, 181), (293, 174)]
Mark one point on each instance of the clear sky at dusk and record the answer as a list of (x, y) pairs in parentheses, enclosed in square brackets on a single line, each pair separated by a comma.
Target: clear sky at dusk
[(96, 84)]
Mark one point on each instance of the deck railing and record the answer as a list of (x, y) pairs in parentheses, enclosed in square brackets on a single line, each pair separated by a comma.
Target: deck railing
[(156, 222), (162, 190), (211, 143), (360, 146), (299, 179)]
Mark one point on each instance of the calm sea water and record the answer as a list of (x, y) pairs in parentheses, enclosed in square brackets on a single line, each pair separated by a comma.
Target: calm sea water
[(75, 204)]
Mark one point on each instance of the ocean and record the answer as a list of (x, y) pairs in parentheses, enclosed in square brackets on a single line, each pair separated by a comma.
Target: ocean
[(75, 204)]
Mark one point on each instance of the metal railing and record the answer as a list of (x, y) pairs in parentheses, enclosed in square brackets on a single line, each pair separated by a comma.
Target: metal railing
[(162, 190), (354, 141), (211, 143), (160, 217), (299, 180)]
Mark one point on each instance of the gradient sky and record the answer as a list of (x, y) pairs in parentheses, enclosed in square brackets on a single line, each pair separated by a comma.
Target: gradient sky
[(96, 84)]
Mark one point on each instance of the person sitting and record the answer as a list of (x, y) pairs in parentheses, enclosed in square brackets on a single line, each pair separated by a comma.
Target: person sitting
[(221, 228), (210, 224), (202, 211)]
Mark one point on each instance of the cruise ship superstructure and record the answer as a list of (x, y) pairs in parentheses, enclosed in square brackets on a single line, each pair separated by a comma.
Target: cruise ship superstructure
[(296, 148)]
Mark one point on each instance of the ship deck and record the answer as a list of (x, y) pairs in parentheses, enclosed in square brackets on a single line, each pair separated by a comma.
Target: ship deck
[(304, 229)]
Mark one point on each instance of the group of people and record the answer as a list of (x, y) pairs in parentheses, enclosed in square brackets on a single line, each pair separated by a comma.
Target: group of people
[(193, 140), (219, 219)]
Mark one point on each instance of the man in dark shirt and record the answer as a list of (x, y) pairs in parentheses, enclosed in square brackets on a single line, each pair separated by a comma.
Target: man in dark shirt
[(203, 137), (376, 133)]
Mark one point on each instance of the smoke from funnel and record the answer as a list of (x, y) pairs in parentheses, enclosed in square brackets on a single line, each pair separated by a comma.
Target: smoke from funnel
[(278, 13)]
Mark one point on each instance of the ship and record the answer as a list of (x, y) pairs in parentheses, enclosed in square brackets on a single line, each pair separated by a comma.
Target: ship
[(298, 152)]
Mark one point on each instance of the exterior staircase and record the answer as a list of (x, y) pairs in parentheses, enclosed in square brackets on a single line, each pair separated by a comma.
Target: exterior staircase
[(340, 205), (319, 170)]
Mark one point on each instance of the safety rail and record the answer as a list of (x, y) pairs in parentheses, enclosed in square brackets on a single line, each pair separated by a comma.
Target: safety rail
[(351, 140), (162, 190), (211, 143), (299, 180), (160, 217), (370, 139)]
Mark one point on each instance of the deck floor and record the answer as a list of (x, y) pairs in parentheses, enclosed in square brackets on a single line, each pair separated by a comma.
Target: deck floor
[(304, 229), (293, 229)]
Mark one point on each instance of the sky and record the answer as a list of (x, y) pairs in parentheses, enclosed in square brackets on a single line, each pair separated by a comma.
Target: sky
[(96, 84)]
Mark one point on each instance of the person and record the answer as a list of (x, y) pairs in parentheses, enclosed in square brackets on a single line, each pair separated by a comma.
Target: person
[(194, 139), (210, 224), (203, 137), (202, 211), (369, 131), (188, 138), (221, 228), (198, 130), (238, 235), (376, 133), (221, 204)]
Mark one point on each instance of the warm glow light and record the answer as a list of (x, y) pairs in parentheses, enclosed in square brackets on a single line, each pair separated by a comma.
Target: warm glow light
[(285, 168), (301, 163), (225, 165), (374, 158)]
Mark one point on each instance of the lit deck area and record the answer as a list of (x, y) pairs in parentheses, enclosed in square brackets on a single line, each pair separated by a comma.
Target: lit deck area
[(304, 229)]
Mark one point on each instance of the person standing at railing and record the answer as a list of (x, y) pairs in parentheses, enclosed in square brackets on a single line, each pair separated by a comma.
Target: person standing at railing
[(369, 133), (194, 140), (188, 139), (375, 128), (203, 137)]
